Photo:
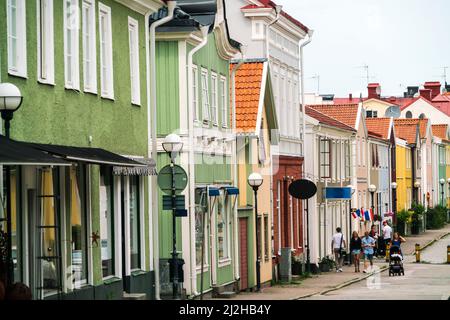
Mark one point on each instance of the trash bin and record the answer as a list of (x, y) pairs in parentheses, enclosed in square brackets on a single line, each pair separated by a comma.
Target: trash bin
[(179, 265)]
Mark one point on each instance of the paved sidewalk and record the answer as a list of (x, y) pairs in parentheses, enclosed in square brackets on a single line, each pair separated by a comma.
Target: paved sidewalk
[(329, 281)]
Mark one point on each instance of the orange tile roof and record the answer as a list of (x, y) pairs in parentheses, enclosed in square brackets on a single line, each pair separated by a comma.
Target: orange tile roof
[(248, 91), (379, 126), (440, 131), (346, 113), (407, 128), (327, 120)]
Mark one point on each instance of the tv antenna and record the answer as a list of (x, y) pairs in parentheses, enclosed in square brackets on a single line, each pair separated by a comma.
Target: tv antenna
[(317, 77)]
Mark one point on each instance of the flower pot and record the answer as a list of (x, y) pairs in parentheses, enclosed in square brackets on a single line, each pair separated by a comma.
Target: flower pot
[(324, 267)]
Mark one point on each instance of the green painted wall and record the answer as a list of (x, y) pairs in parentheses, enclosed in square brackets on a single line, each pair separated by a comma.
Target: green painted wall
[(53, 114)]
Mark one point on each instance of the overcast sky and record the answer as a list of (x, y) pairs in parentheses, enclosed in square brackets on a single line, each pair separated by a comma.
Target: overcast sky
[(404, 42)]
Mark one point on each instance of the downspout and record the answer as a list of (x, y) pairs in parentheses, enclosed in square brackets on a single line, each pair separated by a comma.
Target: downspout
[(193, 276), (237, 275), (152, 123), (302, 84)]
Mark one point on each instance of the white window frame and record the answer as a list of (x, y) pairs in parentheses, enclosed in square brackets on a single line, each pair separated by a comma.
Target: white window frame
[(194, 97), (214, 99), (89, 34), (45, 42), (227, 208), (107, 82), (206, 116), (19, 66), (72, 74), (133, 38), (223, 101)]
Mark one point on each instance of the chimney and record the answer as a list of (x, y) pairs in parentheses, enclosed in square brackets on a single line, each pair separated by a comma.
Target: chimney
[(350, 97), (425, 93), (374, 91), (435, 88)]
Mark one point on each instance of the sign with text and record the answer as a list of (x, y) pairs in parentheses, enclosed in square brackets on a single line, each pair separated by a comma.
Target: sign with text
[(338, 193)]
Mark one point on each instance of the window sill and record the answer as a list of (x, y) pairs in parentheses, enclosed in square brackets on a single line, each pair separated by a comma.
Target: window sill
[(136, 104), (205, 269), (18, 74), (90, 91), (224, 262), (108, 97), (111, 279), (48, 83), (137, 272)]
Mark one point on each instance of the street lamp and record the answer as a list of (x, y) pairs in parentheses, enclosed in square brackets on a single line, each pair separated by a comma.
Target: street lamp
[(372, 189), (10, 101), (442, 182), (255, 180), (353, 189), (416, 191), (172, 144)]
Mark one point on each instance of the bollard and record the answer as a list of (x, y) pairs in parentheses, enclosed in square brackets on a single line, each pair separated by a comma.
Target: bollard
[(448, 254), (388, 248), (417, 253)]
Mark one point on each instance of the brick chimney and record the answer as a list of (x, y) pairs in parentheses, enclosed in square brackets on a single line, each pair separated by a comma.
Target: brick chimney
[(425, 93), (350, 97), (435, 88), (372, 91)]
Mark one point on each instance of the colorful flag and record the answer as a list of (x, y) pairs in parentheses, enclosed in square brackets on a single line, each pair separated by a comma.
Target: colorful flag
[(355, 213), (366, 215), (362, 216), (371, 215)]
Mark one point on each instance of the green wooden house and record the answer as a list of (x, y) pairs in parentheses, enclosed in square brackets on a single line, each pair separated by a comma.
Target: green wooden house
[(81, 231), (193, 53)]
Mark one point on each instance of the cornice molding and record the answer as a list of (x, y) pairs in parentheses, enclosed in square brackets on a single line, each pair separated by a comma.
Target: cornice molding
[(142, 6)]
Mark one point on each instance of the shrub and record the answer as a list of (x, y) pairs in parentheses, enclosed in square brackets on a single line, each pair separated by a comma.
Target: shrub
[(436, 217)]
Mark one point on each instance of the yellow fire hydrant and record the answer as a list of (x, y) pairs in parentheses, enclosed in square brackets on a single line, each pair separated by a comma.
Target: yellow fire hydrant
[(417, 253), (388, 248), (448, 254)]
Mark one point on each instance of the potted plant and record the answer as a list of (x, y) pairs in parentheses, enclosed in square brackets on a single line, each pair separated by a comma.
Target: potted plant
[(403, 218), (326, 264), (416, 217)]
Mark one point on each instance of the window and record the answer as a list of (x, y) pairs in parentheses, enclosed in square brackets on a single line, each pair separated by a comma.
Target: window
[(16, 33), (201, 208), (262, 156), (107, 221), (45, 44), (347, 159), (223, 227), (135, 224), (89, 47), (71, 51), (409, 115), (371, 114), (106, 59), (195, 91), (214, 100), (205, 96), (325, 156), (408, 158), (78, 222), (223, 101), (133, 35)]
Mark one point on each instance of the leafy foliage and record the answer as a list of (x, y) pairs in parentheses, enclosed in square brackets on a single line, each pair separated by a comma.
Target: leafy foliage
[(436, 217)]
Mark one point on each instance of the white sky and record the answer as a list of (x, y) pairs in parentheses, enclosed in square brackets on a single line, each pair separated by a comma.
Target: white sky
[(404, 43)]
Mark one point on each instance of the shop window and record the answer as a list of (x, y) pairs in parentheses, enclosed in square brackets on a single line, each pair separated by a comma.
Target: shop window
[(201, 209), (135, 224), (223, 227), (107, 221), (78, 222)]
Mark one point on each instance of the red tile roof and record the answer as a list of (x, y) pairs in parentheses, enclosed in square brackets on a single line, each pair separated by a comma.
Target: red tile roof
[(248, 92), (442, 102), (379, 126), (346, 113), (407, 129), (271, 4), (327, 120), (440, 131)]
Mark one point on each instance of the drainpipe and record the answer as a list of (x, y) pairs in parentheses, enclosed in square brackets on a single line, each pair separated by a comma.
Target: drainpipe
[(193, 264), (302, 84), (239, 63), (152, 123)]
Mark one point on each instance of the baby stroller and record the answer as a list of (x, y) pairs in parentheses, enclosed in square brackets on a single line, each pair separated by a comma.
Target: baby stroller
[(396, 261)]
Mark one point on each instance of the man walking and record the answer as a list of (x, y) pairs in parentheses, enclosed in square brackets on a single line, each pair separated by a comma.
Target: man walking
[(337, 245), (368, 243), (387, 235)]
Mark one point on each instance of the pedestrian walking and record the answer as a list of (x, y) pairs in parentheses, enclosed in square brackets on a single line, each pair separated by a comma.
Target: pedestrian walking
[(374, 234), (355, 248), (387, 235), (337, 246), (367, 243), (397, 239)]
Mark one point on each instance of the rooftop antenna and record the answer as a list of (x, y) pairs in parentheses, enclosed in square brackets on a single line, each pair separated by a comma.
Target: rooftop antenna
[(317, 77), (444, 76), (366, 67)]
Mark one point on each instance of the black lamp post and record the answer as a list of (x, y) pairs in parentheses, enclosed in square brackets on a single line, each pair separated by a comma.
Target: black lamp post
[(172, 145), (255, 180), (394, 204), (10, 101), (372, 189), (442, 182)]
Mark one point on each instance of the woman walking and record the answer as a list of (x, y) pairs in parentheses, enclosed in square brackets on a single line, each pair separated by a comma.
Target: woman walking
[(397, 240), (355, 248)]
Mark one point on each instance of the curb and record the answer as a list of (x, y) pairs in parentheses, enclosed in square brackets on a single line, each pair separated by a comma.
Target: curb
[(341, 285), (432, 242)]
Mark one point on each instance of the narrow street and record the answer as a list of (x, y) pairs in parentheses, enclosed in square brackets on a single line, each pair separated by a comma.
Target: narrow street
[(429, 280)]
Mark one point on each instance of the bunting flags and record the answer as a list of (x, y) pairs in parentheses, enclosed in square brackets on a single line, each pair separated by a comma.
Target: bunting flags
[(355, 213)]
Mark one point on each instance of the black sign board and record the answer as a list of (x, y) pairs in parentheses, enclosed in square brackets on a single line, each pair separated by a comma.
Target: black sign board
[(302, 189), (179, 202)]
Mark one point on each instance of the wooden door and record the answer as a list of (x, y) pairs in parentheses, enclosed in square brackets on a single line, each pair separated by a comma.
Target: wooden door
[(243, 248)]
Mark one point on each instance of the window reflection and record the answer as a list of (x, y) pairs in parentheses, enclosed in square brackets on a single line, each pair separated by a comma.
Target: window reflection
[(134, 223), (106, 221)]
